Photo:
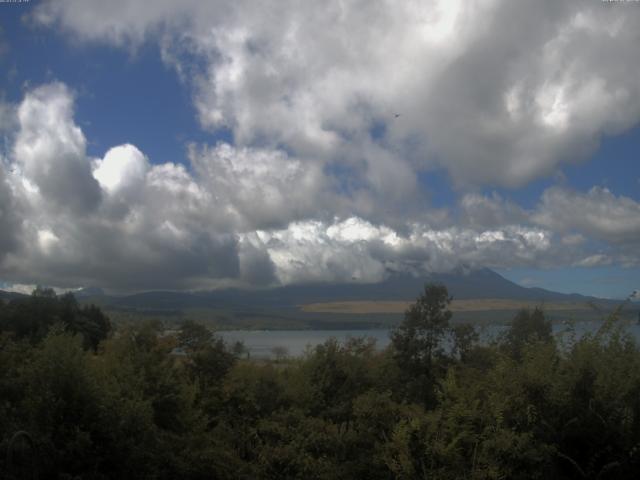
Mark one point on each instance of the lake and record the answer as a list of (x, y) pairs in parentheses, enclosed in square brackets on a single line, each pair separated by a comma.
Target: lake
[(261, 343)]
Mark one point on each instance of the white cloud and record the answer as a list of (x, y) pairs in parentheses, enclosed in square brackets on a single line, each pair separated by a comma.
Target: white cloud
[(354, 249), (596, 260), (47, 241), (490, 211), (115, 221), (322, 179), (261, 188), (494, 91), (304, 252), (20, 288), (50, 149), (10, 224), (573, 239), (261, 216), (598, 214), (122, 168)]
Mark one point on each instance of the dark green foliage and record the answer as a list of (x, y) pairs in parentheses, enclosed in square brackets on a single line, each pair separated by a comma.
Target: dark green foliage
[(138, 406), (194, 336), (32, 317), (337, 375), (210, 363), (208, 357), (417, 342), (465, 338), (417, 339), (527, 327)]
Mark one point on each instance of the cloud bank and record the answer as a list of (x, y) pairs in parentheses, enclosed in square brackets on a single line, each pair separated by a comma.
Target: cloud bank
[(494, 91), (337, 110), (250, 216)]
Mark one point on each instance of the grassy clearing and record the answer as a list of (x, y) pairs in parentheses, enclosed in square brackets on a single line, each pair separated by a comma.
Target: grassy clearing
[(472, 305)]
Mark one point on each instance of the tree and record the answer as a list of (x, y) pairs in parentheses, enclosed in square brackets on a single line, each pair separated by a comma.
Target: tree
[(464, 338), (212, 362), (94, 325), (337, 374), (527, 327), (280, 352), (32, 317), (416, 341), (194, 336), (239, 349)]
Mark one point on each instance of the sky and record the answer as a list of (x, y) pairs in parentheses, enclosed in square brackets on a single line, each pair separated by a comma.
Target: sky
[(196, 145)]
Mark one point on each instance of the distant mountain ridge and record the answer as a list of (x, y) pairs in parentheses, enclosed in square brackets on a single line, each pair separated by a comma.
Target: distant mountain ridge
[(480, 283), (4, 295)]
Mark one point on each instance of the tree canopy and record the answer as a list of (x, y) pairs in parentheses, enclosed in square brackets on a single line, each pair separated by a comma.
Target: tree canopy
[(133, 406)]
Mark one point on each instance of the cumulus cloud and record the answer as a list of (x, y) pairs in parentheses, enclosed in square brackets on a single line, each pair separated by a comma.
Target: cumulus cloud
[(256, 266), (596, 260), (9, 220), (257, 216), (263, 188), (121, 170), (336, 112), (494, 91), (115, 221), (490, 211), (357, 250), (597, 213), (50, 150)]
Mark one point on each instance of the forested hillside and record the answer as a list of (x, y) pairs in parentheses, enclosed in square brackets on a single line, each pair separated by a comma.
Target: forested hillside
[(81, 399)]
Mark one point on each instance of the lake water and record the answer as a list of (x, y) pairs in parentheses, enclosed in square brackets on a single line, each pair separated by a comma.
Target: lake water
[(261, 343)]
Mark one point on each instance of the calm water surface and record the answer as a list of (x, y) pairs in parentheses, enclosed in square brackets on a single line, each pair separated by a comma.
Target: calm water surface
[(261, 343)]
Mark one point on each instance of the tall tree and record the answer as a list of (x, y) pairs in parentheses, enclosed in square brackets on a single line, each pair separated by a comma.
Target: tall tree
[(417, 340), (527, 327)]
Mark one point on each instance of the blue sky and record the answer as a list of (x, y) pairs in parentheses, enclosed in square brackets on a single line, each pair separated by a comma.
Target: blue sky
[(204, 132), (603, 282), (122, 96)]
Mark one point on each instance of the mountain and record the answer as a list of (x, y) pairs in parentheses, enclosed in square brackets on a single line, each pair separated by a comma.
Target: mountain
[(462, 284), (6, 296)]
